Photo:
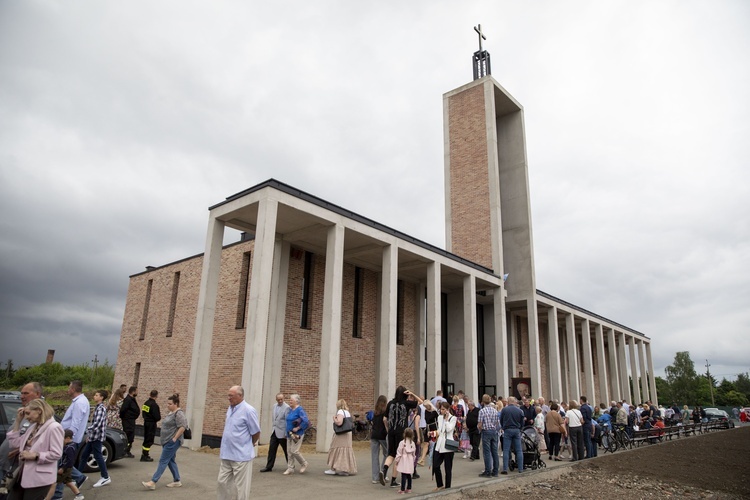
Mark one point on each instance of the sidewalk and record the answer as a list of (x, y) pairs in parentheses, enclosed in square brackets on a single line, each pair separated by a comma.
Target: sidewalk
[(199, 471)]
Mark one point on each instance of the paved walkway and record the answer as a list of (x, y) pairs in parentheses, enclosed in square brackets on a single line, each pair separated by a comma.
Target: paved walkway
[(199, 471)]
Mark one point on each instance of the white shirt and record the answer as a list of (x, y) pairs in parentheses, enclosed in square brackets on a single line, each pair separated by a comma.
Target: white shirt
[(575, 419)]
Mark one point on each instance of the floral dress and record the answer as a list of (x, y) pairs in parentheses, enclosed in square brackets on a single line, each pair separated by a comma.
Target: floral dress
[(113, 415)]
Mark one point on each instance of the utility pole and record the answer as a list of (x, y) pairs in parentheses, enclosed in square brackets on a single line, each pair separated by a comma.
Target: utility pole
[(93, 372), (710, 384)]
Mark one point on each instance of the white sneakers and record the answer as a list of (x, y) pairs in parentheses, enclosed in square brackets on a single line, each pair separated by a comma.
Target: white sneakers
[(79, 496), (102, 482), (174, 484), (330, 472)]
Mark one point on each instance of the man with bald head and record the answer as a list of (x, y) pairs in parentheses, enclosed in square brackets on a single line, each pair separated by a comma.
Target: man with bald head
[(241, 434)]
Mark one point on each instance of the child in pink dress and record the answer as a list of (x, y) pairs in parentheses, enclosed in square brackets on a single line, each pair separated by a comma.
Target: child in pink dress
[(405, 456)]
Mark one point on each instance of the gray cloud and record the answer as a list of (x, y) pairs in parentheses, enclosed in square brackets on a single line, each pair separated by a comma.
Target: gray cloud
[(122, 124)]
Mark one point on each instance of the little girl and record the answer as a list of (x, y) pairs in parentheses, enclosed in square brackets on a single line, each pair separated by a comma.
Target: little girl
[(407, 452)]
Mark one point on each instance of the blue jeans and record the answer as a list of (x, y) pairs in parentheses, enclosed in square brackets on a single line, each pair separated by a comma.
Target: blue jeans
[(168, 452), (376, 446), (94, 447), (489, 451), (512, 436), (77, 476), (587, 440)]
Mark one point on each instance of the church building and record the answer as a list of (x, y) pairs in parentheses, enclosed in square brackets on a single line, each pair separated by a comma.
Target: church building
[(323, 302)]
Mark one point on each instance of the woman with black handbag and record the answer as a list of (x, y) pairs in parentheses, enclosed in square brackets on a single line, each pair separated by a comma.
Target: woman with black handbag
[(341, 460), (445, 447)]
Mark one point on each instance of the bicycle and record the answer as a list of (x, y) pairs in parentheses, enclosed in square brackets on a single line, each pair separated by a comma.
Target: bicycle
[(311, 435), (362, 428), (608, 440)]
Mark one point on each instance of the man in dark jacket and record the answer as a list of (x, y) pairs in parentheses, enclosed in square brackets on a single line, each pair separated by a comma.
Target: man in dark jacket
[(129, 412), (151, 415), (472, 419)]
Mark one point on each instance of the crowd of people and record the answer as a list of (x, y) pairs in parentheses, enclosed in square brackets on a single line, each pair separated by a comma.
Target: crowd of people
[(408, 433)]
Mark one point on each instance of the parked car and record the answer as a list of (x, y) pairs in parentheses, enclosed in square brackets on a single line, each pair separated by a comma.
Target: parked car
[(10, 395), (713, 414), (113, 447)]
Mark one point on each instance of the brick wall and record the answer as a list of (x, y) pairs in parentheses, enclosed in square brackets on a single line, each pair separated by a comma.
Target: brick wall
[(469, 177), (165, 361)]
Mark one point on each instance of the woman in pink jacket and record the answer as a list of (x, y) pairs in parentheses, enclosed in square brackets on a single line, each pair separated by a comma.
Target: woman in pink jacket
[(40, 447)]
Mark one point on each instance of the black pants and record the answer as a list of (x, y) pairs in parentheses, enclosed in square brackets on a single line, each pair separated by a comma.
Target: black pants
[(440, 459), (149, 432), (475, 438), (273, 446), (128, 427), (554, 444), (405, 481)]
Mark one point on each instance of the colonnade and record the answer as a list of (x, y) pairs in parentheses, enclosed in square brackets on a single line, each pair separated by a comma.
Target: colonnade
[(602, 374)]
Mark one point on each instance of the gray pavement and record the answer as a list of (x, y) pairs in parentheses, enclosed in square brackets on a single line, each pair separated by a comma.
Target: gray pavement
[(199, 471)]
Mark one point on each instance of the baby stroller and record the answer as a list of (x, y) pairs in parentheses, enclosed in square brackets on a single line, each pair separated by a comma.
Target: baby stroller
[(532, 459)]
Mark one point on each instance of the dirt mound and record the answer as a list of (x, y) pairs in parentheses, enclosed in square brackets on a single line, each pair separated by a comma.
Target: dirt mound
[(708, 466)]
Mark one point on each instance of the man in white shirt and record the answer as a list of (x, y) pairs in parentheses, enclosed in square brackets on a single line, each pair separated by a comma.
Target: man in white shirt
[(241, 434), (438, 399)]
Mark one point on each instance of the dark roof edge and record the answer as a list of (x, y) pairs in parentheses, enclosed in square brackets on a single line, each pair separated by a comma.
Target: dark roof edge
[(156, 268), (354, 216), (581, 309)]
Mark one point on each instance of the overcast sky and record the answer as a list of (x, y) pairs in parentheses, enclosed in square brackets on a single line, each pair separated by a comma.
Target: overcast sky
[(121, 122)]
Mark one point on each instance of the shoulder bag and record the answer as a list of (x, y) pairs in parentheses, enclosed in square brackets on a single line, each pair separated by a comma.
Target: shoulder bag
[(346, 426), (450, 443)]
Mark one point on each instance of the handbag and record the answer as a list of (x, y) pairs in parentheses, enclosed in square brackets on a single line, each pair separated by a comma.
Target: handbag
[(451, 445), (346, 426)]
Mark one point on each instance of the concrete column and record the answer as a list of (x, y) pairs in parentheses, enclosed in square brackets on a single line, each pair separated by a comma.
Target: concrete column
[(588, 362), (614, 378), (470, 375), (330, 337), (554, 355), (388, 312), (570, 336), (433, 329), (634, 373), (652, 379), (623, 365), (602, 364), (534, 349), (274, 350), (420, 345), (259, 303), (501, 342), (644, 375), (513, 348), (204, 330), (564, 369)]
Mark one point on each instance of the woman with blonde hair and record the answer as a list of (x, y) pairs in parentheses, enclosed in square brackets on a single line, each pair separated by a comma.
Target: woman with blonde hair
[(341, 460), (574, 423), (39, 447)]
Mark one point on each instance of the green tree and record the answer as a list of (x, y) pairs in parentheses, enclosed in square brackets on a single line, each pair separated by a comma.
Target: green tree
[(682, 379), (664, 391), (743, 384)]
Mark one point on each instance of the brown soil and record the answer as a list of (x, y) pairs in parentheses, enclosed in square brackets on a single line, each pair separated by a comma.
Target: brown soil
[(708, 466)]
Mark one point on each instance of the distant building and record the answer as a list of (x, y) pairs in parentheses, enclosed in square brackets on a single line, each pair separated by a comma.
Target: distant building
[(321, 301)]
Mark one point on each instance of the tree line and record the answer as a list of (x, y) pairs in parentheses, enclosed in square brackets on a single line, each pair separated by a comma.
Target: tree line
[(56, 375), (685, 386)]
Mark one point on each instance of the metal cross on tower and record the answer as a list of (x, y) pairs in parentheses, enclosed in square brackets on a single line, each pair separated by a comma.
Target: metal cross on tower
[(481, 58)]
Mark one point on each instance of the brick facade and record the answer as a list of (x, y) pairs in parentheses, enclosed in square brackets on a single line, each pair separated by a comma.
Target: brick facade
[(165, 360)]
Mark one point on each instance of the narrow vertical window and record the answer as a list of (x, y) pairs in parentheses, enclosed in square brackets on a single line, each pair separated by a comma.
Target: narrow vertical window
[(307, 277), (358, 301), (580, 352), (144, 321), (400, 313), (173, 303), (136, 374), (242, 294), (519, 339)]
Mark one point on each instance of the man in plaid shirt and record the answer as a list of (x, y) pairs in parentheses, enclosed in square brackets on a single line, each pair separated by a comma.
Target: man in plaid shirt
[(489, 425), (96, 435)]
